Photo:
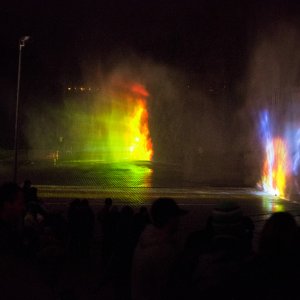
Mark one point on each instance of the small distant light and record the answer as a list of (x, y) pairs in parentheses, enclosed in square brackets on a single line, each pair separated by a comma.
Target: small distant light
[(90, 89), (131, 148), (69, 89), (82, 88), (137, 139), (75, 88)]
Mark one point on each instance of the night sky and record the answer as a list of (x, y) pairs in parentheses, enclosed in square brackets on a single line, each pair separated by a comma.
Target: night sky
[(209, 40)]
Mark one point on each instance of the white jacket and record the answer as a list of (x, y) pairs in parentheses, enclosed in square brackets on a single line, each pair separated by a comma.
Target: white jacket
[(153, 260)]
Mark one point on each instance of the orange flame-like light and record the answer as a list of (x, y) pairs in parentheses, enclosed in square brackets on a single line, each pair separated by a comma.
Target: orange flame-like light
[(140, 144), (276, 168)]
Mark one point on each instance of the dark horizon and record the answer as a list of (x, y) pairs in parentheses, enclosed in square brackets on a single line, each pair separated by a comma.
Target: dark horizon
[(199, 37)]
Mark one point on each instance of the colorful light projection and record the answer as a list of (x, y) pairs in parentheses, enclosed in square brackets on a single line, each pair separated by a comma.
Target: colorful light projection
[(296, 160), (126, 125), (112, 126), (138, 130), (276, 165)]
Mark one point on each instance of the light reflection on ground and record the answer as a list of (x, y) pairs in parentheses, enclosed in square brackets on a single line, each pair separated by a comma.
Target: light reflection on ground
[(137, 183)]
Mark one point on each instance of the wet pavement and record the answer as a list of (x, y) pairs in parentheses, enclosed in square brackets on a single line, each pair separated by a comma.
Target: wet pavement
[(137, 183), (198, 201)]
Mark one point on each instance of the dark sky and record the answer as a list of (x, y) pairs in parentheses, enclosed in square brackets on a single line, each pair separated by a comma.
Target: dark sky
[(209, 40), (203, 36)]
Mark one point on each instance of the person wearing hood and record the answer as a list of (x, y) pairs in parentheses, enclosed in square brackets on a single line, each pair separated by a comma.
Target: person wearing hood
[(156, 252)]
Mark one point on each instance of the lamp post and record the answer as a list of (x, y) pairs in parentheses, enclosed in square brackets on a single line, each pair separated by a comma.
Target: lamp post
[(21, 45)]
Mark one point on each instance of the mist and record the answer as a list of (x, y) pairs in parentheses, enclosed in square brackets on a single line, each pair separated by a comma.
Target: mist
[(188, 128), (272, 84)]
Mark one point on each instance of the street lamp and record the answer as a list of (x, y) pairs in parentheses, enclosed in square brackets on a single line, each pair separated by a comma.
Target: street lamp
[(22, 41)]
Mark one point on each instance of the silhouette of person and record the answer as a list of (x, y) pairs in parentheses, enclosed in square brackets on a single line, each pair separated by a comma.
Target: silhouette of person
[(141, 220), (19, 280), (108, 217), (274, 272), (156, 252)]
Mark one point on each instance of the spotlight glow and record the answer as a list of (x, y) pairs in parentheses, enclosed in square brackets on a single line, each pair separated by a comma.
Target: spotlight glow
[(111, 125), (275, 168), (138, 132), (276, 163)]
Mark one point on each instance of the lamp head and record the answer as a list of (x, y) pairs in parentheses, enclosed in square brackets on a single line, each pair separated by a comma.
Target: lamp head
[(24, 39)]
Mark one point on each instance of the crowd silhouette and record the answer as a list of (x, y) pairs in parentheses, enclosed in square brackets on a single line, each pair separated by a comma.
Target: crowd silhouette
[(142, 257)]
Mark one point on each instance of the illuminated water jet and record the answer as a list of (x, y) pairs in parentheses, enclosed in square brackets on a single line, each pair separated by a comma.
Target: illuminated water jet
[(276, 164), (127, 127), (275, 168), (113, 126)]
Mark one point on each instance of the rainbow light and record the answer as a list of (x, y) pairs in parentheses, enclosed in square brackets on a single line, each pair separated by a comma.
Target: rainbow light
[(276, 162), (112, 125), (275, 168)]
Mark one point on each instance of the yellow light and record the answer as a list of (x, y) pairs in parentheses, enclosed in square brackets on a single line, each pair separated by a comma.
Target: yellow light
[(121, 128), (275, 172), (138, 127)]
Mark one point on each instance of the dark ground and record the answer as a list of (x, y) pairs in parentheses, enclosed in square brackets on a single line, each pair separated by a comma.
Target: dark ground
[(134, 184), (84, 277)]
